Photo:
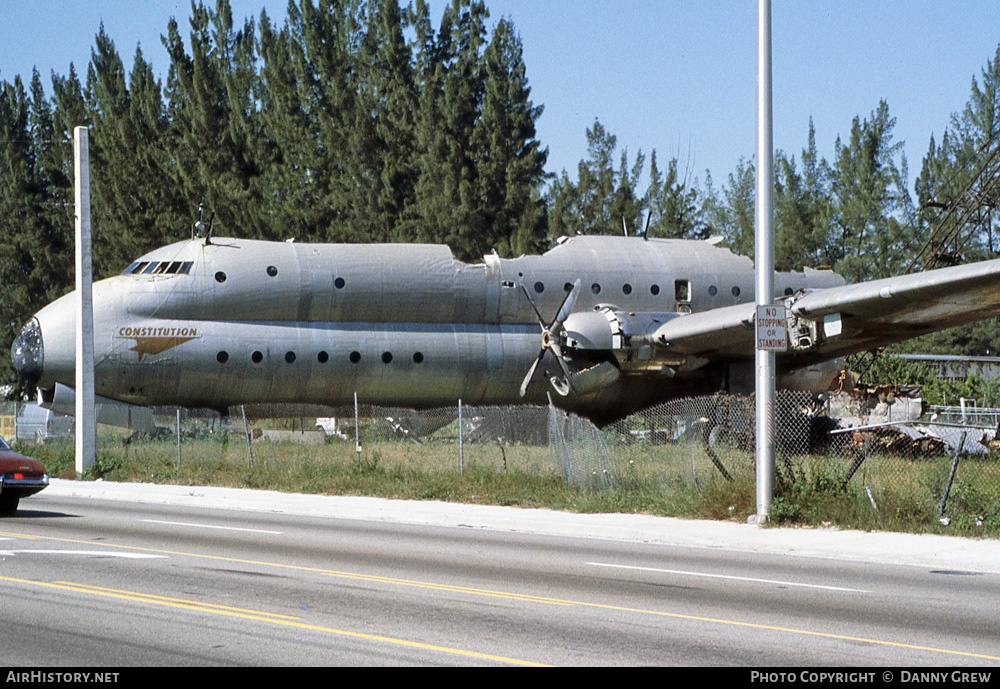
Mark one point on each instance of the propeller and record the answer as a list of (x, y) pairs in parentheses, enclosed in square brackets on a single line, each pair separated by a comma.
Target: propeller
[(551, 340)]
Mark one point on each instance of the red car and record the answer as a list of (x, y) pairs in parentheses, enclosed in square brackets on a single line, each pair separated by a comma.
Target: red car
[(20, 477)]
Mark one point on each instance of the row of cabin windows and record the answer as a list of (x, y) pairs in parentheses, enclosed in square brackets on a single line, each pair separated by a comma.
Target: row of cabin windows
[(322, 357), (682, 289), (273, 272), (184, 267)]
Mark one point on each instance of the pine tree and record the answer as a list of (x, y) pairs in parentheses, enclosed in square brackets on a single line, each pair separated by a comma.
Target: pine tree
[(290, 156), (971, 230), (325, 42), (802, 210), (36, 219), (214, 129), (134, 205), (731, 213), (950, 189), (389, 95), (674, 202), (509, 159), (603, 198), (872, 207), (451, 101)]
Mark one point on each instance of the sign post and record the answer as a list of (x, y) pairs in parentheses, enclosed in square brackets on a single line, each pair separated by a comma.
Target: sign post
[(764, 268)]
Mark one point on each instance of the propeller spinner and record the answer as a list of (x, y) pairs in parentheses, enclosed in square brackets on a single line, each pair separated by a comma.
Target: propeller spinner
[(552, 341)]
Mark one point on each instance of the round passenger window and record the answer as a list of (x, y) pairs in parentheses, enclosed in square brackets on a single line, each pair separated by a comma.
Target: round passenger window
[(272, 271), (220, 277)]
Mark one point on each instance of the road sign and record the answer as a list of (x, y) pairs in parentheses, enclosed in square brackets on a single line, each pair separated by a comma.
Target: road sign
[(772, 328)]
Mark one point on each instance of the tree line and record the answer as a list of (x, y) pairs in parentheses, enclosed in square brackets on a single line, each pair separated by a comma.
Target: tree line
[(362, 121)]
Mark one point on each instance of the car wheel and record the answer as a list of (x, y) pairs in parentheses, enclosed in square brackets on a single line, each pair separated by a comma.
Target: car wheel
[(8, 505)]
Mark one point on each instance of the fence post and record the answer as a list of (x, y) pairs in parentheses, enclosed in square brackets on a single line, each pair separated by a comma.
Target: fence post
[(357, 432), (951, 475), (178, 429), (461, 449), (246, 433)]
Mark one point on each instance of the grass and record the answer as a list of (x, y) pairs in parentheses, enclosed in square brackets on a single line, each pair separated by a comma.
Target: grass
[(678, 480)]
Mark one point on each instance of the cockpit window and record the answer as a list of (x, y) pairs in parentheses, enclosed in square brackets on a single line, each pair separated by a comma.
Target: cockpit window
[(159, 268)]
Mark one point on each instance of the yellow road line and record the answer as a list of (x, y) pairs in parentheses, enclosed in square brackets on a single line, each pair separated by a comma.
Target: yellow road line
[(534, 599), (154, 598), (258, 616), (11, 534)]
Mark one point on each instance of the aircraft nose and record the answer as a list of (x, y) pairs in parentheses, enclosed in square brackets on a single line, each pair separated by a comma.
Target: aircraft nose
[(27, 353)]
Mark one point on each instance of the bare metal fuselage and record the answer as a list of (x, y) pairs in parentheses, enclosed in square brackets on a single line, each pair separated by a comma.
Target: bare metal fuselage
[(234, 322)]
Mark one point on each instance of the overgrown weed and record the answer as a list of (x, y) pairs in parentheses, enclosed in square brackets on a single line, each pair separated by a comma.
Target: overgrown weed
[(677, 480)]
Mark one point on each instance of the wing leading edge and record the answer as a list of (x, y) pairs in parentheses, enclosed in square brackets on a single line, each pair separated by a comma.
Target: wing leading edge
[(836, 321)]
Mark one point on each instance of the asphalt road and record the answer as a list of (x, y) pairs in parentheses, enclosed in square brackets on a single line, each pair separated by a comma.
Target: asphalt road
[(105, 575)]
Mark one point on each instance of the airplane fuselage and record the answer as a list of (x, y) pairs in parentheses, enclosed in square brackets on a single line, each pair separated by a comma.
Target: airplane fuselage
[(228, 322)]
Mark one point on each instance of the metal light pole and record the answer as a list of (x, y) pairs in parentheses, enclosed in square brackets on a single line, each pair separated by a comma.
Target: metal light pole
[(86, 418), (764, 264)]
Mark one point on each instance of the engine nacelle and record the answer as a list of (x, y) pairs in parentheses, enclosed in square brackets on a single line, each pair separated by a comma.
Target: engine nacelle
[(625, 334)]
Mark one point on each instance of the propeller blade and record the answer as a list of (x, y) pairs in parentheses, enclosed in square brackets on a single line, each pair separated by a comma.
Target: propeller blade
[(557, 350), (531, 301), (560, 386), (550, 340), (531, 372), (567, 307)]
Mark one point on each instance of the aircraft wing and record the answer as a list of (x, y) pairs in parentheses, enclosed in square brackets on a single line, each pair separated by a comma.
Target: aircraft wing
[(720, 333), (833, 322)]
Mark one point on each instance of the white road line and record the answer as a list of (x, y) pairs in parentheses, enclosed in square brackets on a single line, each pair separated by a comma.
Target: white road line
[(727, 576), (99, 553), (210, 526)]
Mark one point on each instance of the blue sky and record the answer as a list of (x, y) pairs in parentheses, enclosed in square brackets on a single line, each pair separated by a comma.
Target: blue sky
[(676, 76)]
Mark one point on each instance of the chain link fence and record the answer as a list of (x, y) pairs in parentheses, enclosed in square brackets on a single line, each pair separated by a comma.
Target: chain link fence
[(884, 444), (917, 462)]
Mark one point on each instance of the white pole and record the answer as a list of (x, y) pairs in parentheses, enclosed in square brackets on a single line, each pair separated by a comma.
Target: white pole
[(764, 263), (357, 431), (86, 419), (461, 450)]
